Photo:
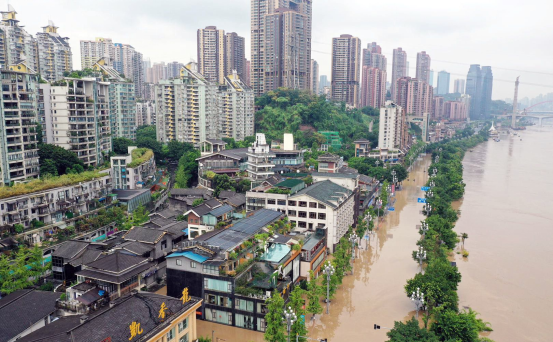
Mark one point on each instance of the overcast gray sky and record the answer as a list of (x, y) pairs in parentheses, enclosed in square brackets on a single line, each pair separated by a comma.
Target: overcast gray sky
[(505, 34)]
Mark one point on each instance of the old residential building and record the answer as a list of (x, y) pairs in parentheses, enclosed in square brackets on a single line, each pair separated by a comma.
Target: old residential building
[(133, 170), (18, 119)]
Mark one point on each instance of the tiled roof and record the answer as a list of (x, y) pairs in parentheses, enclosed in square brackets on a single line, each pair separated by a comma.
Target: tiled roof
[(21, 309), (55, 331), (137, 248), (237, 200), (221, 210), (143, 234), (224, 194), (326, 192), (70, 249), (191, 192), (116, 262), (289, 183), (88, 256)]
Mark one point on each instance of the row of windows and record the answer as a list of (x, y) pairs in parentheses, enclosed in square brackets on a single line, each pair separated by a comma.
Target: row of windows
[(304, 214)]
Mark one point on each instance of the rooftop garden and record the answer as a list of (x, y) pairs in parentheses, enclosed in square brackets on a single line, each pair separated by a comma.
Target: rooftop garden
[(47, 182), (140, 156)]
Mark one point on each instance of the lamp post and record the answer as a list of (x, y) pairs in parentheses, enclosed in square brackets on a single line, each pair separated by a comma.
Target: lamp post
[(377, 163), (428, 209), (353, 240), (421, 255), (328, 271), (378, 206), (290, 317), (432, 184), (417, 297), (368, 219), (430, 194), (424, 228)]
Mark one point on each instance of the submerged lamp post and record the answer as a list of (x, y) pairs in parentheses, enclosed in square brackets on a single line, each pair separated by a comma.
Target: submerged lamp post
[(417, 297), (421, 255), (353, 240), (328, 271), (290, 317)]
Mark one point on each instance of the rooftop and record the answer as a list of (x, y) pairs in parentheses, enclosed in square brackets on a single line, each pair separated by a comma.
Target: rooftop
[(221, 210), (127, 195), (326, 191), (276, 252), (190, 255), (289, 183), (335, 175), (20, 309)]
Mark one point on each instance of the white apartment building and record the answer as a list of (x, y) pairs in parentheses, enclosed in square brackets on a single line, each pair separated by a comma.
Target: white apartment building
[(128, 62), (259, 163), (323, 203), (16, 44), (18, 120), (54, 53), (145, 113), (237, 103), (76, 112), (390, 134), (129, 172)]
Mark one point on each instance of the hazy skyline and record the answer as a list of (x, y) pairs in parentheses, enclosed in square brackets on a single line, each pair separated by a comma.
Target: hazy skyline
[(504, 34)]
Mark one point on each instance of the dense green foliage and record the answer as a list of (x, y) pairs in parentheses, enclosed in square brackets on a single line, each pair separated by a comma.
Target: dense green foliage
[(275, 330), (57, 159), (284, 110), (410, 332), (120, 145), (187, 170), (440, 281), (368, 166), (314, 292), (24, 270)]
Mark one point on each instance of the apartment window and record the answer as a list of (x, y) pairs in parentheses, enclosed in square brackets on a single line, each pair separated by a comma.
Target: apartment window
[(171, 334), (312, 204), (193, 264), (183, 324), (244, 305), (184, 338), (302, 224), (292, 213), (322, 206), (303, 204), (281, 202), (179, 262), (322, 216), (292, 203), (302, 214), (271, 201), (312, 215), (163, 244)]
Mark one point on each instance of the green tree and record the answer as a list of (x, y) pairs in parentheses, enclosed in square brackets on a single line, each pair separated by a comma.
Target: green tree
[(147, 131), (19, 228), (454, 326), (62, 159), (410, 332), (222, 182), (332, 286), (297, 303), (275, 330), (120, 145), (313, 295), (176, 149), (464, 236), (197, 202)]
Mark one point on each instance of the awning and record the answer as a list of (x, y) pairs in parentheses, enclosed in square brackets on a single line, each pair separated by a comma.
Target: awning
[(185, 230), (102, 199), (91, 296)]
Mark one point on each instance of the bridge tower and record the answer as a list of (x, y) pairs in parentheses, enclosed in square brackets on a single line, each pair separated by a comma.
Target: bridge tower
[(515, 106)]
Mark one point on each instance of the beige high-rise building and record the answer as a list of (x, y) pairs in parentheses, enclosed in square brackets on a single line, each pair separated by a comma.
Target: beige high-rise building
[(399, 69), (93, 50), (18, 114), (280, 44), (392, 133), (211, 53), (423, 67), (236, 101), (54, 53), (346, 65), (219, 54), (16, 44)]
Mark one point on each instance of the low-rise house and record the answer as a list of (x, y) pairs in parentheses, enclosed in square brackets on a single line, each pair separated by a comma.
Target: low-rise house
[(238, 202), (313, 252), (141, 317), (220, 267), (323, 203), (392, 156), (157, 241), (330, 163), (287, 156), (362, 147), (116, 273), (69, 257), (133, 198), (133, 170), (225, 162), (196, 224), (25, 311), (210, 146)]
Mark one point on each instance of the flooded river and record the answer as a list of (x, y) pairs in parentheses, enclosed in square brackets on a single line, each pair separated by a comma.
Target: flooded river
[(507, 212)]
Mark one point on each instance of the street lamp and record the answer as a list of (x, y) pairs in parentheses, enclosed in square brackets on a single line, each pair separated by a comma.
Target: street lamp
[(378, 206), (424, 229), (353, 240), (432, 184), (428, 209), (290, 317), (421, 255), (430, 194), (377, 163), (418, 298), (328, 271)]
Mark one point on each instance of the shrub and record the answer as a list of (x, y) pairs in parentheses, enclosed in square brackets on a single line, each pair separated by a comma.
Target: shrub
[(465, 253), (140, 156)]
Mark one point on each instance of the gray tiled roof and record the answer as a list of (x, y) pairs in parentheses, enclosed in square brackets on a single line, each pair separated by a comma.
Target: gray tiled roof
[(143, 234), (137, 248), (70, 249), (116, 262), (237, 200), (219, 211), (21, 309), (88, 256), (226, 194), (325, 191), (55, 331), (191, 192)]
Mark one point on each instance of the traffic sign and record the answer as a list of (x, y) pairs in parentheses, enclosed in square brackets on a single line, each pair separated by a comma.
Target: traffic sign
[(425, 188), (391, 209), (421, 200)]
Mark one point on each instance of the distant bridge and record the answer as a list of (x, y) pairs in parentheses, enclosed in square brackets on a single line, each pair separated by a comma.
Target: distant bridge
[(536, 115)]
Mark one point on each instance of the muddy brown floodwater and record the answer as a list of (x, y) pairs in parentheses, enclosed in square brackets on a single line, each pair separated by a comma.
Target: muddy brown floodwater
[(507, 212), (375, 293)]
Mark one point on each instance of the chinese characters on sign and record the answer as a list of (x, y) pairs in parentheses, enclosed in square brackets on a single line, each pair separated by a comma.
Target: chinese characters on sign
[(135, 330), (162, 311), (185, 297)]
